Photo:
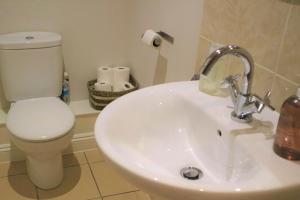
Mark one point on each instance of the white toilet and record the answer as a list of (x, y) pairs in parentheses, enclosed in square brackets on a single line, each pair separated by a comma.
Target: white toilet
[(31, 69)]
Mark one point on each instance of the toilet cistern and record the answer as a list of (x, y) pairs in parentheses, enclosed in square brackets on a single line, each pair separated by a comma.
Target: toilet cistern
[(245, 104)]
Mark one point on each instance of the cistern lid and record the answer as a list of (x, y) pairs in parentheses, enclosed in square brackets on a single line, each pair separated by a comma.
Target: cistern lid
[(40, 119), (29, 40)]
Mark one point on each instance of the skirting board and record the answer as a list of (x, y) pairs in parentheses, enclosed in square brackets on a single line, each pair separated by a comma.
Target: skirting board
[(80, 142)]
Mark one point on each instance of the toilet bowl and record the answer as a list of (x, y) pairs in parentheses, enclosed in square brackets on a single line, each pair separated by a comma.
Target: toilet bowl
[(41, 128), (31, 70)]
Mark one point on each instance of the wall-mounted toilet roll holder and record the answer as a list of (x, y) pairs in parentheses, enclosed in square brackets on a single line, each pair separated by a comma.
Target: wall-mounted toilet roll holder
[(155, 38), (166, 36)]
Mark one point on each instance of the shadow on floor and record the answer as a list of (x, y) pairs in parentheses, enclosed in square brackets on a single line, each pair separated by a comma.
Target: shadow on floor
[(22, 184)]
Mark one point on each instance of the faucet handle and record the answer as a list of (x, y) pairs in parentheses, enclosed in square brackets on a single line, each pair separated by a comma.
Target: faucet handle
[(261, 103), (232, 79), (266, 100)]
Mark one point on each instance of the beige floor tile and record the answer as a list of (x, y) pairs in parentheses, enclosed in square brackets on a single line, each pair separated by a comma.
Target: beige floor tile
[(78, 184), (16, 188), (74, 159), (129, 196), (83, 145), (94, 156), (13, 168), (109, 181), (157, 198)]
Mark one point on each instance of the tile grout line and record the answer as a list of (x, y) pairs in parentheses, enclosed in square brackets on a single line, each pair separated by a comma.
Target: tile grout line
[(276, 74), (281, 48), (111, 195), (285, 28), (88, 163)]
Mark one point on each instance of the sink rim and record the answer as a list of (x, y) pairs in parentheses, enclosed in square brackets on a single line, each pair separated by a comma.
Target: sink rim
[(115, 158)]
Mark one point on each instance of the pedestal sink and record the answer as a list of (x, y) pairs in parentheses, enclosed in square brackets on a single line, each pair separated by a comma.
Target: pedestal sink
[(150, 135)]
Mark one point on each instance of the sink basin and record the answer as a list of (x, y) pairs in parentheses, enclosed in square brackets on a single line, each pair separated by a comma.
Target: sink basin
[(151, 134)]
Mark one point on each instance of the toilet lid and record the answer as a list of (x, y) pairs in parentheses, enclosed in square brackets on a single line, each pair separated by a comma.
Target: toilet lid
[(40, 119)]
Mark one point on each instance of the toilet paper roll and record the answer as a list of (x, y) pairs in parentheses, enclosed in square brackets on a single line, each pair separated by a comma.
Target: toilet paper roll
[(105, 74), (103, 86), (121, 75), (123, 87), (151, 38), (127, 86)]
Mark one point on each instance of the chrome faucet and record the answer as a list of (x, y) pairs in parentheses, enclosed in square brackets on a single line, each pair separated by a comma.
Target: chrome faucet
[(244, 103)]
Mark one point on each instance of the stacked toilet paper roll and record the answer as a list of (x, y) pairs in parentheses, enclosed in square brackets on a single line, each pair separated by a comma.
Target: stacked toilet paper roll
[(121, 79), (103, 86), (105, 79), (114, 79)]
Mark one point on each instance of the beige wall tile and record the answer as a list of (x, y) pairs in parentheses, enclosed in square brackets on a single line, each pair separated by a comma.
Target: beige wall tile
[(13, 168), (281, 90), (289, 62), (17, 188), (94, 156), (74, 159), (219, 21), (78, 183), (255, 25), (129, 196), (262, 81), (109, 181), (258, 26), (203, 52), (260, 29)]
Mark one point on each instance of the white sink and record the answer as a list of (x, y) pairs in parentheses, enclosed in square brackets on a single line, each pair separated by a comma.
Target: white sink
[(151, 134)]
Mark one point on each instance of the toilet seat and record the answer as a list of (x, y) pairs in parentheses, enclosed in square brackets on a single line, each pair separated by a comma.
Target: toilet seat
[(40, 119)]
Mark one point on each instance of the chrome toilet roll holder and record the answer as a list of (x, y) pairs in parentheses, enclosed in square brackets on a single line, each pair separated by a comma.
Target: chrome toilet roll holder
[(163, 35)]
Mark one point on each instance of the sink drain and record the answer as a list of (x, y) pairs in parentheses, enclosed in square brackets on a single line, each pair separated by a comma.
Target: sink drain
[(191, 173)]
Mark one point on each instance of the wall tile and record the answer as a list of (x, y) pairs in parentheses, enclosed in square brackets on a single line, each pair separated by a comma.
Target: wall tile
[(289, 62), (269, 30), (260, 29), (219, 22), (262, 81), (203, 51), (281, 90)]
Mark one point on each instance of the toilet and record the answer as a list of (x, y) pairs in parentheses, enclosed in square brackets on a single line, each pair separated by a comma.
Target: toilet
[(39, 122)]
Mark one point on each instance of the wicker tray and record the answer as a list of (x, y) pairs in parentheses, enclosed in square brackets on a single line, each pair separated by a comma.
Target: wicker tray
[(100, 99)]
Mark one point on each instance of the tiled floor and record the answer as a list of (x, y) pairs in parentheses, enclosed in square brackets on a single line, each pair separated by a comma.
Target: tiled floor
[(87, 177)]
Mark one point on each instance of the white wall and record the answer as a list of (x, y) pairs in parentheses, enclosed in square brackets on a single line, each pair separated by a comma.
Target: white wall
[(179, 18), (97, 32), (94, 32)]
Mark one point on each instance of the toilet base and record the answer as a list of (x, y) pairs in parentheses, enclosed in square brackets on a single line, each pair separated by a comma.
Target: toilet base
[(45, 171)]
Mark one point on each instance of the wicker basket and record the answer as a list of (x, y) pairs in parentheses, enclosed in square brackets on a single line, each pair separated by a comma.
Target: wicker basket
[(100, 99)]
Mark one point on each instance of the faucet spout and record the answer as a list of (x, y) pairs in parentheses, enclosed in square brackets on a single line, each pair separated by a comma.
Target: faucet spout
[(236, 51), (244, 103)]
